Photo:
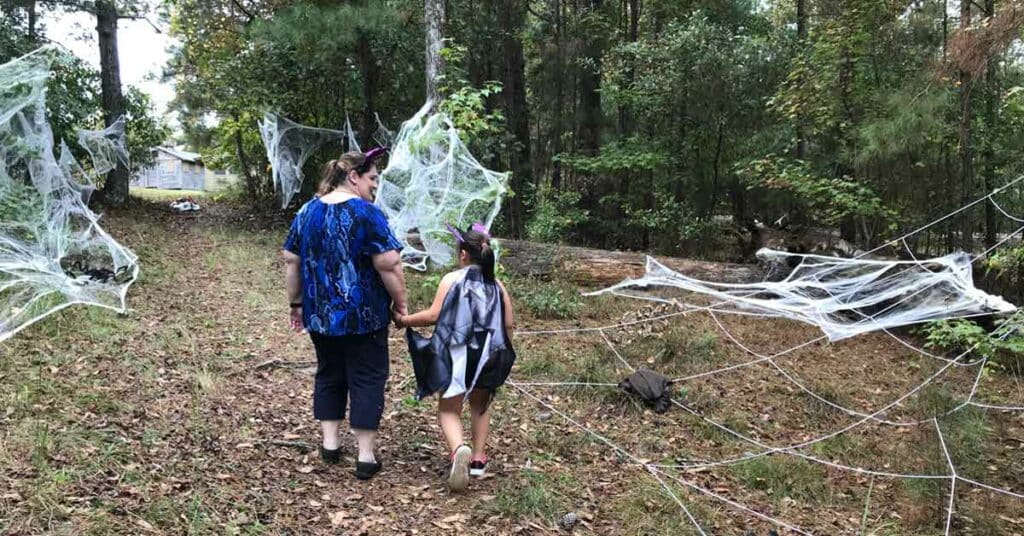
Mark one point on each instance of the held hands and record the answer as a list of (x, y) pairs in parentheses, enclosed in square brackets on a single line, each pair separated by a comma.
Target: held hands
[(398, 315)]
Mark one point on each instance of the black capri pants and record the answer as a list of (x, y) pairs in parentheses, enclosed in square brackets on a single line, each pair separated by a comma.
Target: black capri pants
[(351, 366)]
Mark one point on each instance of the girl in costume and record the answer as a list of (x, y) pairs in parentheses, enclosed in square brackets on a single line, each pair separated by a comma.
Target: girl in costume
[(470, 353)]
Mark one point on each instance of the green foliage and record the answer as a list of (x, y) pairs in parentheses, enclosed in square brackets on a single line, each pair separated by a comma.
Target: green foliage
[(144, 129), (1003, 348), (22, 213), (827, 200), (546, 299), (316, 64), (480, 126), (555, 215)]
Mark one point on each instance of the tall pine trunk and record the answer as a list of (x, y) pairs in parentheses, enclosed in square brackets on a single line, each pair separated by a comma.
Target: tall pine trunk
[(370, 76), (801, 37), (115, 189), (433, 20), (516, 113), (966, 132), (590, 120), (991, 123)]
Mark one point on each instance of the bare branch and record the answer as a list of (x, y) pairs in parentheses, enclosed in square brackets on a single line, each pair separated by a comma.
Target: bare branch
[(243, 10)]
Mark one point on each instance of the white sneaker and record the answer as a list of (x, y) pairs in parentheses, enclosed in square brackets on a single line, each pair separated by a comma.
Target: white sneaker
[(458, 476), (478, 467)]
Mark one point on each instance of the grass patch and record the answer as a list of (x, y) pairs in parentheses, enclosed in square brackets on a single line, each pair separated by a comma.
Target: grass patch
[(545, 299), (967, 433), (534, 495), (158, 194), (820, 410), (932, 401), (680, 344), (783, 477), (679, 350), (646, 508)]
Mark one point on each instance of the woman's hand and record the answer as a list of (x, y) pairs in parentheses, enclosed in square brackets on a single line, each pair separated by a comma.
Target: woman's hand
[(398, 315), (295, 319)]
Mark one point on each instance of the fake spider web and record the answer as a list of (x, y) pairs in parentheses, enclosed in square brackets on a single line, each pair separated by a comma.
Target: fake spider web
[(843, 297), (431, 178), (106, 146), (847, 300), (53, 253)]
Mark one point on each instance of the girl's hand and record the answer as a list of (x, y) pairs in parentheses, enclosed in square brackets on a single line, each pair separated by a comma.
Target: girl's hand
[(295, 319), (399, 320)]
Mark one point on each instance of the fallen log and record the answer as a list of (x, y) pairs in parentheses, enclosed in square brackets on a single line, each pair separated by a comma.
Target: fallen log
[(596, 267)]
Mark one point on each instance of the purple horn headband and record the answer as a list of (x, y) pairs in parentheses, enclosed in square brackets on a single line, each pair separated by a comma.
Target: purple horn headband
[(477, 226)]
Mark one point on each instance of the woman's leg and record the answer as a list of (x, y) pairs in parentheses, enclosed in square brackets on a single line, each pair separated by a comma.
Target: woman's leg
[(368, 370), (480, 420), (449, 417), (330, 388)]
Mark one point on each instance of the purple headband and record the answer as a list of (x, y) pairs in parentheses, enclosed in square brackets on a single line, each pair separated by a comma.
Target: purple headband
[(477, 226), (455, 232), (374, 153), (369, 157)]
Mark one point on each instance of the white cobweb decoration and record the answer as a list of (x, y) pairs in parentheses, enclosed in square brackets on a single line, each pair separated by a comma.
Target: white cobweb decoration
[(53, 253), (106, 146), (843, 297), (889, 423), (432, 179), (289, 145)]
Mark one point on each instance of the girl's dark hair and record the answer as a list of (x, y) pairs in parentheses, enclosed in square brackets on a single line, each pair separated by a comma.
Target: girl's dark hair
[(335, 171), (478, 246)]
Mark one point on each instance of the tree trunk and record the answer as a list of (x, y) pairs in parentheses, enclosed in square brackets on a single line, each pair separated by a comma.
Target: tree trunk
[(626, 121), (243, 162), (801, 38), (516, 113), (988, 151), (433, 18), (595, 267), (966, 137), (115, 189), (30, 7), (370, 76), (559, 125), (590, 90)]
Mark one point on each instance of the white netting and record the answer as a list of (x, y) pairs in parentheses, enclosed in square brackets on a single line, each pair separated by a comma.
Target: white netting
[(106, 146), (290, 144), (52, 251), (383, 137), (432, 179), (843, 297)]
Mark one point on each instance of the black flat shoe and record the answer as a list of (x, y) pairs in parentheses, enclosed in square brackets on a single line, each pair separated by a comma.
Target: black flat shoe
[(331, 456), (366, 470)]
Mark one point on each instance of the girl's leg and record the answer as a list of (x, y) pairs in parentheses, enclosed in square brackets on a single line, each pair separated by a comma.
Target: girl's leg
[(449, 416), (480, 420)]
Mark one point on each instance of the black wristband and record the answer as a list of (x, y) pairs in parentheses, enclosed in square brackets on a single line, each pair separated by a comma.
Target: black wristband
[(294, 305)]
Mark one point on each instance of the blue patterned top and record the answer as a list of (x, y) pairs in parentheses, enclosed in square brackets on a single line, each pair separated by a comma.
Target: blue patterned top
[(342, 293)]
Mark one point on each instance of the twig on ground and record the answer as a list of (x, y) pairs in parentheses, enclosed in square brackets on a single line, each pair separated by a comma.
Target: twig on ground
[(277, 362), (299, 445)]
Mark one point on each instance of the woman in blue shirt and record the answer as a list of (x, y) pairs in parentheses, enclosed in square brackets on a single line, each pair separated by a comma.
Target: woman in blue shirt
[(343, 276)]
